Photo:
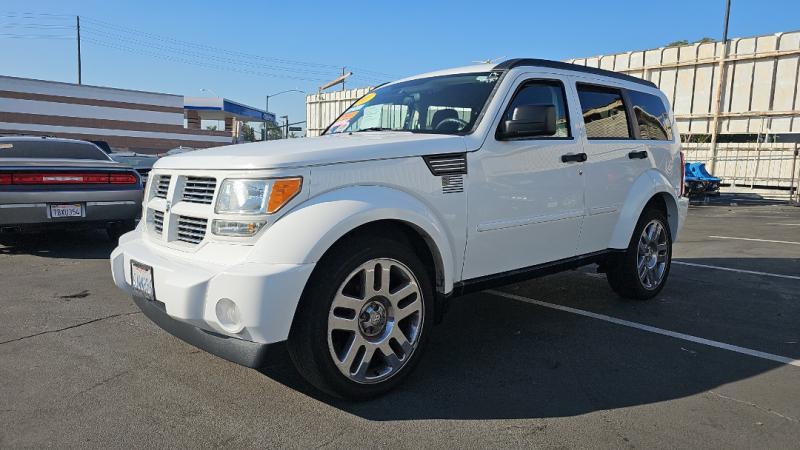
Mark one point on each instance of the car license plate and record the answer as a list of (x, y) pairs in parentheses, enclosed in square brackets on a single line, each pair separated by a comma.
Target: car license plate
[(142, 280), (72, 210)]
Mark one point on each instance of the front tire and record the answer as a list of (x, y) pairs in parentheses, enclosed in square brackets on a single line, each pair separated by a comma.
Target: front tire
[(363, 319), (642, 270)]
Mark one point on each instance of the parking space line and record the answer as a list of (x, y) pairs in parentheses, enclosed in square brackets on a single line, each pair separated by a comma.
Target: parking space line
[(786, 224), (729, 269), (756, 240), (651, 329)]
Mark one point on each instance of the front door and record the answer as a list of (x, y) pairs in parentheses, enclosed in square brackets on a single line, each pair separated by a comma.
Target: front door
[(526, 196)]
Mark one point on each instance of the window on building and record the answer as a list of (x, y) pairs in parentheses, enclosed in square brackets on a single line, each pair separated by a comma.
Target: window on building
[(544, 92), (651, 115), (603, 112)]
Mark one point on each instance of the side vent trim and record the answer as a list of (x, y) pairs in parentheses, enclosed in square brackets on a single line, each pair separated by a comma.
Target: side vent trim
[(447, 164)]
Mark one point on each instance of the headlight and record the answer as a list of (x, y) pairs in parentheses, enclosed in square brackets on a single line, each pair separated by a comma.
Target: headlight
[(256, 196)]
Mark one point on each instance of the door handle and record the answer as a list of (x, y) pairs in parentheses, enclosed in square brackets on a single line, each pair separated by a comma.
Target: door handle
[(574, 157), (642, 154)]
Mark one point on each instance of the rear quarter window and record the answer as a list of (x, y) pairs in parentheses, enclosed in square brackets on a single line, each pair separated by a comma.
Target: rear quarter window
[(652, 116), (44, 149)]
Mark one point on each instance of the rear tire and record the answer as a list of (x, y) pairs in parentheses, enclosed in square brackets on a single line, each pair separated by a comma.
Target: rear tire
[(641, 271), (356, 334)]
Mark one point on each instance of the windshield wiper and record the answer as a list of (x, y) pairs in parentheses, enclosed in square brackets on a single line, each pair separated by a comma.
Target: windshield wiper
[(377, 129)]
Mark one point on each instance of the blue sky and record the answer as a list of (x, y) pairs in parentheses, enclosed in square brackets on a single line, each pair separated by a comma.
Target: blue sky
[(245, 50)]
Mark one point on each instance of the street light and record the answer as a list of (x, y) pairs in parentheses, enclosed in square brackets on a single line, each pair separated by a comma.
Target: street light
[(266, 109), (279, 93)]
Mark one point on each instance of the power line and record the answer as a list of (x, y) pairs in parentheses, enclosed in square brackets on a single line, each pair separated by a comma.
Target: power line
[(34, 36), (109, 39), (113, 36), (172, 58), (125, 29)]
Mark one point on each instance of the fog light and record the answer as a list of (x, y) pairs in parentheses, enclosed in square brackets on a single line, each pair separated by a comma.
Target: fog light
[(235, 228), (228, 315)]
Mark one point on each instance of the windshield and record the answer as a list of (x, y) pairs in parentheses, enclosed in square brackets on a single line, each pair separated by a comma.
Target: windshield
[(43, 148), (448, 104)]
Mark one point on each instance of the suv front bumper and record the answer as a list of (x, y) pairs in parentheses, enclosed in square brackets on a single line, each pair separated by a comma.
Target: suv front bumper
[(187, 291)]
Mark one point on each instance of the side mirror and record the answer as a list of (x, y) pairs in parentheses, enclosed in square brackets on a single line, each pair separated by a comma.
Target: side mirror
[(528, 121)]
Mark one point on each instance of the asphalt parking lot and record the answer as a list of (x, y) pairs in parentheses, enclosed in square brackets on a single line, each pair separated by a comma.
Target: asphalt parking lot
[(713, 361)]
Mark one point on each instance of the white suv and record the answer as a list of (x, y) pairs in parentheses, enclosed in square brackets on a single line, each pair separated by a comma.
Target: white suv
[(348, 246)]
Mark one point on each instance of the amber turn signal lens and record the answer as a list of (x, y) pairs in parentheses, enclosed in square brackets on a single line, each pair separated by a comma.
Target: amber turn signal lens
[(282, 191)]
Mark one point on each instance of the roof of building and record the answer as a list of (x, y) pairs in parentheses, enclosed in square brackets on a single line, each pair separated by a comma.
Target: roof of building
[(218, 108)]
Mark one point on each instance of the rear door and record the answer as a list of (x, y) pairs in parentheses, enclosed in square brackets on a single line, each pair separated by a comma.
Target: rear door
[(614, 160)]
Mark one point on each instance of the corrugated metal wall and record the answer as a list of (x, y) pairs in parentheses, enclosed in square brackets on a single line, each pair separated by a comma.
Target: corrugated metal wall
[(761, 93)]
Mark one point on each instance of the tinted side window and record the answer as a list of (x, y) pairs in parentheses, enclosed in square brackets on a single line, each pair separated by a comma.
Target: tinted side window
[(50, 149), (603, 113), (651, 115), (542, 92)]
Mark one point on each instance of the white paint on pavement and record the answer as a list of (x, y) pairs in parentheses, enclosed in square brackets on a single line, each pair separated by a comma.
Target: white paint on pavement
[(750, 272), (651, 329), (755, 240)]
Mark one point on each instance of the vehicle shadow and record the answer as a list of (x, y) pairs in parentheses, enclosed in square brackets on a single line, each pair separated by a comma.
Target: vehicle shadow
[(495, 358), (739, 199), (89, 244)]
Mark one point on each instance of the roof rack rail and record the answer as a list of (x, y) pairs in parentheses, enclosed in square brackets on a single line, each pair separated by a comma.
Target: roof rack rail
[(517, 62)]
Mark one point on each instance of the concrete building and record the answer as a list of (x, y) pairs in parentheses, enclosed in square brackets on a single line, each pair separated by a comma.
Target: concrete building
[(145, 122)]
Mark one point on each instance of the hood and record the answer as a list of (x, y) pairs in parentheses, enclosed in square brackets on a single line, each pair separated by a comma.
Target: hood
[(302, 152)]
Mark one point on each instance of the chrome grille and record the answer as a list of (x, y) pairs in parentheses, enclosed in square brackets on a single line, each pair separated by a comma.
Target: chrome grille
[(162, 185), (199, 190), (191, 229), (158, 221)]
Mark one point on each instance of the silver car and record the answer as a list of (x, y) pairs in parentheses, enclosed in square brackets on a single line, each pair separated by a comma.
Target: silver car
[(64, 183)]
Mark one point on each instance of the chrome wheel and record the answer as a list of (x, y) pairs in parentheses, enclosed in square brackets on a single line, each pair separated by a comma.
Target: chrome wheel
[(652, 255), (375, 321)]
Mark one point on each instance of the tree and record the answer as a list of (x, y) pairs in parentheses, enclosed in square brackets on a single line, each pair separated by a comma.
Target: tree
[(685, 42), (273, 131), (678, 43), (248, 133)]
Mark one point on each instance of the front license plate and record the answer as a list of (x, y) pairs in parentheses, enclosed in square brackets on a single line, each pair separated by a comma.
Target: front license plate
[(72, 210), (142, 280)]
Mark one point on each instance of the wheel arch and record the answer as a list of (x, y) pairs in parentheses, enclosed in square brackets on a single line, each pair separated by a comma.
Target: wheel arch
[(325, 220), (651, 189)]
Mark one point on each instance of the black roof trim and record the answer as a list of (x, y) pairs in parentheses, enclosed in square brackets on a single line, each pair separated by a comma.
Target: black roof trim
[(512, 63)]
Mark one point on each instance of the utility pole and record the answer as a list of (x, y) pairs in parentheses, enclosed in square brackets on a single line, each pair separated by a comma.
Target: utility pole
[(78, 27), (343, 77), (720, 84)]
